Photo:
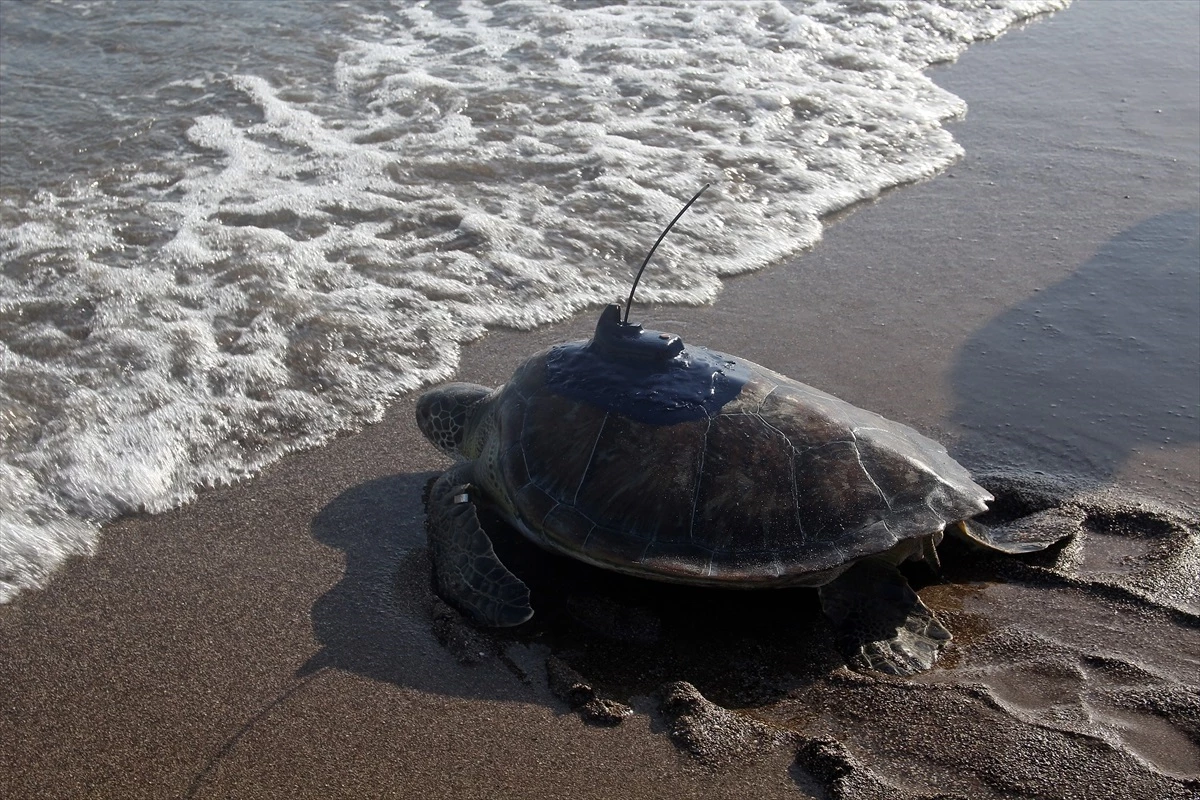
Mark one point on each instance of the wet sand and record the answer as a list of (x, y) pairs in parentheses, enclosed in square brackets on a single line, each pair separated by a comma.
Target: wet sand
[(279, 638)]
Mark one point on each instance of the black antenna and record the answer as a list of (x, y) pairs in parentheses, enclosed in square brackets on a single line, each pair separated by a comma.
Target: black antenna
[(661, 236)]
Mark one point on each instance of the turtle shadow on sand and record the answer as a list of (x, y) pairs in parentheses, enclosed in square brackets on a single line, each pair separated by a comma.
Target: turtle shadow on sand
[(382, 619), (629, 636), (376, 621), (360, 623)]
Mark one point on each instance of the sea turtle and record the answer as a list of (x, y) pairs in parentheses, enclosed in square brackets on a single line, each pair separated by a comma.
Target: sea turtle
[(635, 453)]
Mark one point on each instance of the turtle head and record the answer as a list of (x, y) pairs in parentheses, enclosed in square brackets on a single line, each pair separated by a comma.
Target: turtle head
[(447, 414)]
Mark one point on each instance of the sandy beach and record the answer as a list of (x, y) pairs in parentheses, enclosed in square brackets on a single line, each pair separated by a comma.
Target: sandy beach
[(279, 637)]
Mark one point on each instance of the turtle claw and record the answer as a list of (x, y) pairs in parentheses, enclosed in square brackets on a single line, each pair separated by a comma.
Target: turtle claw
[(467, 572), (881, 624)]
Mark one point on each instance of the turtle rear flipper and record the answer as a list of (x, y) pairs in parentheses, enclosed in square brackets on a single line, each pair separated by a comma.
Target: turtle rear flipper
[(1028, 535), (467, 572), (880, 622)]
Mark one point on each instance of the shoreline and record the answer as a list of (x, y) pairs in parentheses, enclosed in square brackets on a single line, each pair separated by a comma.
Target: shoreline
[(273, 638)]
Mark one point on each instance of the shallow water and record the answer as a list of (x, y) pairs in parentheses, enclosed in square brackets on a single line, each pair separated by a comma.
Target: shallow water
[(230, 234)]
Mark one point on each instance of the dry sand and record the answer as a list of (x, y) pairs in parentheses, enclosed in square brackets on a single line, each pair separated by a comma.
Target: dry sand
[(278, 638)]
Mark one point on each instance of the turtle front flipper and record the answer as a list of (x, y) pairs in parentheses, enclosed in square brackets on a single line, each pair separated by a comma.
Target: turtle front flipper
[(467, 572), (880, 622)]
